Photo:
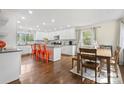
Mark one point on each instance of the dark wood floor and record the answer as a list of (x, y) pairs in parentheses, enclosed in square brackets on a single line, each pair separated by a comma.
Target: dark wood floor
[(33, 72)]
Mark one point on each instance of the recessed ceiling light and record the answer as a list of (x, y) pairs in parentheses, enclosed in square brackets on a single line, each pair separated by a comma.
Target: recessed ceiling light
[(23, 17), (30, 12), (44, 23), (18, 22), (53, 20)]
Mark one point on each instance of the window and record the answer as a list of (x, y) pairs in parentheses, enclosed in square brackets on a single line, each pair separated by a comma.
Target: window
[(88, 37), (24, 38)]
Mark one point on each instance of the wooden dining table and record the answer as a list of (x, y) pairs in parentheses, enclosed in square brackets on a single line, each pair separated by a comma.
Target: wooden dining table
[(101, 54)]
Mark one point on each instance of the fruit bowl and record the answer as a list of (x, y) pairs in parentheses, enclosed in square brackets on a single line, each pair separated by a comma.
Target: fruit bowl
[(2, 44)]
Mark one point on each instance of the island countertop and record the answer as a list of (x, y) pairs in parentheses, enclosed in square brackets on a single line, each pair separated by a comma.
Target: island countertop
[(51, 45), (54, 46), (10, 50)]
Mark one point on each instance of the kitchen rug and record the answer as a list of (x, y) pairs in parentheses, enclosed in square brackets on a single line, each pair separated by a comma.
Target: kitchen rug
[(90, 74)]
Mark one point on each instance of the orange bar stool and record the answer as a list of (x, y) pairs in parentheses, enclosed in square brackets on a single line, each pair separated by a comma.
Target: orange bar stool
[(40, 52), (37, 52), (33, 47), (46, 54)]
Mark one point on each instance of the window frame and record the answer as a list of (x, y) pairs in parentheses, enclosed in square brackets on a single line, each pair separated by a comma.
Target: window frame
[(93, 37), (26, 42)]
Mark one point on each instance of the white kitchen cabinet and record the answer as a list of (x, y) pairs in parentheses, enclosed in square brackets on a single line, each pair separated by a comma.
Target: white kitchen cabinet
[(68, 34), (69, 49), (55, 53), (51, 35), (64, 34), (25, 49)]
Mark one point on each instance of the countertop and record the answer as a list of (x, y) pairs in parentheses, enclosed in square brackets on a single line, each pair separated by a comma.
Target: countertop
[(54, 46), (10, 50), (59, 46)]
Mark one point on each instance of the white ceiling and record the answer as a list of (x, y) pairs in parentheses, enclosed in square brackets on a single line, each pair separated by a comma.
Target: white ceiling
[(64, 18)]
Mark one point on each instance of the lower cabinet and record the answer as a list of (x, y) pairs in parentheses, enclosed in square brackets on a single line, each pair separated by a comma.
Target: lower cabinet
[(69, 49), (10, 66), (25, 49), (55, 53)]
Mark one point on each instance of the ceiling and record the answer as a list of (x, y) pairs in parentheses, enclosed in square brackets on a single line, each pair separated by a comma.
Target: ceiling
[(48, 20)]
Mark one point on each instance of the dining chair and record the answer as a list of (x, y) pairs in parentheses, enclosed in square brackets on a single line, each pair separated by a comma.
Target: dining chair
[(89, 60), (103, 60), (74, 60), (118, 48), (113, 62)]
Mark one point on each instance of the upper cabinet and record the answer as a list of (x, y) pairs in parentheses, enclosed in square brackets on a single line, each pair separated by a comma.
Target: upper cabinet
[(63, 34), (68, 34), (41, 35)]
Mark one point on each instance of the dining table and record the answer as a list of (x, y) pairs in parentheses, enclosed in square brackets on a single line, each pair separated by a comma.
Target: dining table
[(101, 54)]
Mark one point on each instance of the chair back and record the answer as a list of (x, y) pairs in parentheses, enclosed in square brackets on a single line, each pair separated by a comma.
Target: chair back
[(45, 47), (118, 49), (33, 47), (39, 47), (88, 54), (116, 55)]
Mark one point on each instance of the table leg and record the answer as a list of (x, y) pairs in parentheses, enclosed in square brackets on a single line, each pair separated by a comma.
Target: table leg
[(108, 70), (78, 63)]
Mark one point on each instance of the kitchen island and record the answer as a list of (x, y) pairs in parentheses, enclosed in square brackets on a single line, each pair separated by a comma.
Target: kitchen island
[(69, 50), (10, 65), (55, 52)]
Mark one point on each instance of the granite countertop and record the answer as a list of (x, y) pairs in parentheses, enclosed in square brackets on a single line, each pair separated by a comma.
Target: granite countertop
[(10, 50), (69, 45), (54, 46)]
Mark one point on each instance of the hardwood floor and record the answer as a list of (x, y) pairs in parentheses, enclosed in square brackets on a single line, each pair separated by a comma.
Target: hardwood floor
[(33, 72)]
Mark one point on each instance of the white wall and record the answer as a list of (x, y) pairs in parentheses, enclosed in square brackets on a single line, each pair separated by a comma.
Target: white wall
[(122, 42), (9, 29), (108, 33)]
